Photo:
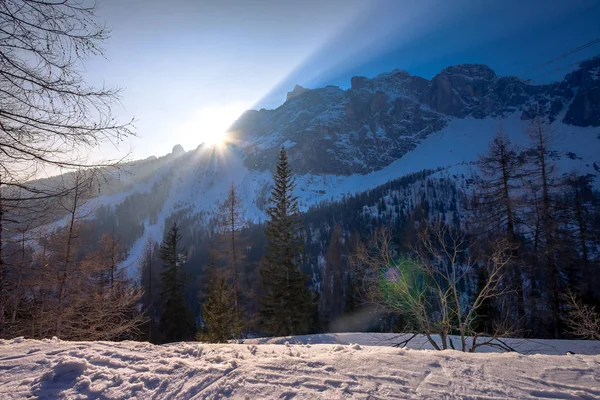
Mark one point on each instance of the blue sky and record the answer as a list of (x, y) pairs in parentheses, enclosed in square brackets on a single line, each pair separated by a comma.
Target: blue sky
[(190, 67)]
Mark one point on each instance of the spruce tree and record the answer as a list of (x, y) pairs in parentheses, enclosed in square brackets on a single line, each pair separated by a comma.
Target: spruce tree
[(146, 277), (175, 322), (221, 319), (333, 286), (286, 307)]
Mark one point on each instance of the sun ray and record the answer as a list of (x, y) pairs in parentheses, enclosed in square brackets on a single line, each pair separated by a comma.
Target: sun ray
[(208, 126)]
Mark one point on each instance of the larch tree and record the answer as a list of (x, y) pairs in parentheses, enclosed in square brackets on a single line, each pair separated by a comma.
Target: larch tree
[(175, 321), (286, 302), (50, 118), (541, 181), (67, 247), (497, 203), (63, 290), (231, 219)]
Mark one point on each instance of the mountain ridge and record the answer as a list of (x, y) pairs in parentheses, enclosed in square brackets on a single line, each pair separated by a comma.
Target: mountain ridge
[(334, 161), (378, 120)]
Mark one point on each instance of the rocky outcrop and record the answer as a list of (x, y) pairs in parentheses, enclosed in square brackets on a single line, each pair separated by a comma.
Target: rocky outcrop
[(297, 91), (178, 150), (378, 120), (585, 108)]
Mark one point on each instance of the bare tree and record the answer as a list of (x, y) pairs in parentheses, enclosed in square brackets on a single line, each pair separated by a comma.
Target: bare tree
[(50, 118), (231, 220), (71, 295), (540, 180), (582, 320), (496, 211), (425, 289), (48, 114)]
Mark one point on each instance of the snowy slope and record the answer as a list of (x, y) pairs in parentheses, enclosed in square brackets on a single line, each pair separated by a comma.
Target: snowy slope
[(345, 142), (201, 177), (52, 369)]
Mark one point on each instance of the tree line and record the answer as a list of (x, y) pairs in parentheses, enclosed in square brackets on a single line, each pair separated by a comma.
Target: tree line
[(483, 239), (283, 298), (514, 242), (512, 250)]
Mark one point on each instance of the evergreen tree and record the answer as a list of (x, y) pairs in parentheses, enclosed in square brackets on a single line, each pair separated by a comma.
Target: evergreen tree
[(175, 322), (221, 319), (286, 306), (585, 234), (146, 278), (333, 286)]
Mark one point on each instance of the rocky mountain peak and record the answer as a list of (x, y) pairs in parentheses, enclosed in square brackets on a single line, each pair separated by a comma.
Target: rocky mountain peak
[(473, 71), (378, 120), (178, 150), (297, 91), (358, 82)]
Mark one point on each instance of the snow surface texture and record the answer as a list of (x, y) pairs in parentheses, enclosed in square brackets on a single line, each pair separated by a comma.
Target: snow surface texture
[(53, 369)]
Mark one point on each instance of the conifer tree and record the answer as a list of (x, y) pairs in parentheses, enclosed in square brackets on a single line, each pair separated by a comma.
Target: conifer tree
[(146, 278), (231, 219), (501, 171), (221, 319), (286, 307), (541, 181), (175, 322), (333, 285)]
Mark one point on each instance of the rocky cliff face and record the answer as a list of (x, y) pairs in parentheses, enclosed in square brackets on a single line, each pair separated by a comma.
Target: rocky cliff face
[(378, 120), (298, 90), (585, 108)]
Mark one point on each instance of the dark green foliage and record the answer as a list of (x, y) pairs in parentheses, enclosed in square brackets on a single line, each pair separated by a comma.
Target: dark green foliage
[(221, 321), (333, 284), (175, 321), (286, 303), (149, 282)]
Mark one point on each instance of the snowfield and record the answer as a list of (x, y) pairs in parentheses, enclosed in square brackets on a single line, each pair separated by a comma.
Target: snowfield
[(54, 369)]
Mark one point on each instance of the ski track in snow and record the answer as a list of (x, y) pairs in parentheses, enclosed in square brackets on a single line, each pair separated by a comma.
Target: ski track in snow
[(54, 369)]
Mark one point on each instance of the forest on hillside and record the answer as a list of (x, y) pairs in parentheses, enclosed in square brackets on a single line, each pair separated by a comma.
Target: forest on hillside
[(511, 250)]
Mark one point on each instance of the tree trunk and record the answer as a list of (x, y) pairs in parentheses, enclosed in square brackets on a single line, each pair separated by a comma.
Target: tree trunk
[(2, 277)]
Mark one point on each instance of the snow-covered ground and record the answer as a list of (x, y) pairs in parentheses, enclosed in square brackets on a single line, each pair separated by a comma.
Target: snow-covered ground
[(53, 369), (420, 342)]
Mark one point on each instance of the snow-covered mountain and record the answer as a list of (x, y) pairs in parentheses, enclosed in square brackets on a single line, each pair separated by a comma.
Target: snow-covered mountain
[(378, 121), (347, 141)]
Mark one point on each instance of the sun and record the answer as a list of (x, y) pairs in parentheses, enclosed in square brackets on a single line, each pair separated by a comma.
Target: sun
[(215, 139), (210, 124)]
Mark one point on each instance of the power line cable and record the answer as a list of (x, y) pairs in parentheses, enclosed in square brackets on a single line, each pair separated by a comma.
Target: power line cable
[(560, 57), (560, 68)]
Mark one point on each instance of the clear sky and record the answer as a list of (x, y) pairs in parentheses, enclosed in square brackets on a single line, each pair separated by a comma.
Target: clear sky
[(188, 68)]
